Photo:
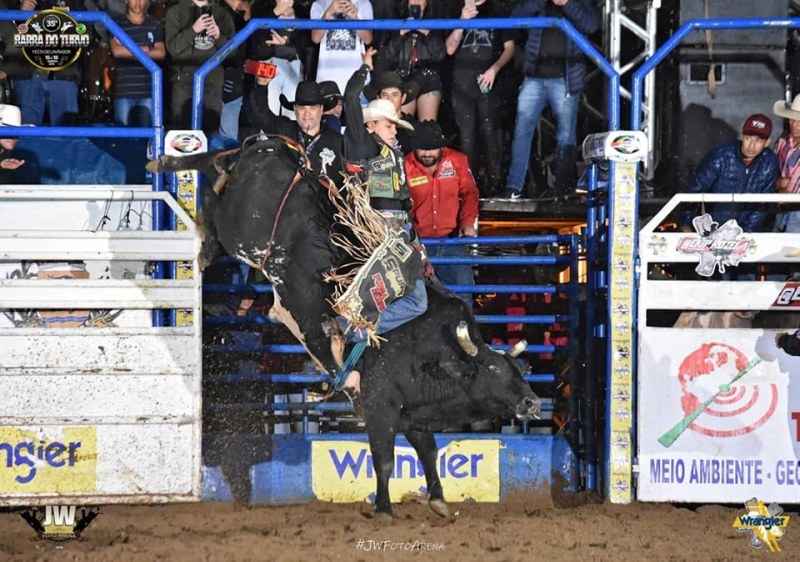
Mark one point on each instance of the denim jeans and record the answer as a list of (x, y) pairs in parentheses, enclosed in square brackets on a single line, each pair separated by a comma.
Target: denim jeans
[(60, 97), (534, 95), (453, 274), (133, 112), (396, 314), (787, 222), (229, 118)]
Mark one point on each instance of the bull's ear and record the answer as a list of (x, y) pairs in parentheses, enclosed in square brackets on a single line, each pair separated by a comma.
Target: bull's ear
[(452, 367)]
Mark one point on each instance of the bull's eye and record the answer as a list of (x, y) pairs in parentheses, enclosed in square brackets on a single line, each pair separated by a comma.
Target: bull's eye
[(493, 368)]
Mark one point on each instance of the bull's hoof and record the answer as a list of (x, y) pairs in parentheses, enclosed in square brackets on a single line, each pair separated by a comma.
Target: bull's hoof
[(384, 518), (439, 508)]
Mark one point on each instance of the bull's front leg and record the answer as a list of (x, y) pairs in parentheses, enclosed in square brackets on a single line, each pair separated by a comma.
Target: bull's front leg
[(427, 451), (381, 444), (319, 339)]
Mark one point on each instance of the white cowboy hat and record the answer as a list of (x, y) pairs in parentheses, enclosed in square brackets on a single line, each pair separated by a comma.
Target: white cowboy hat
[(10, 116), (384, 109), (783, 109)]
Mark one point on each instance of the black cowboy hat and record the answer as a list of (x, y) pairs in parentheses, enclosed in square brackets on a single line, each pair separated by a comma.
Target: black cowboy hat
[(308, 93), (391, 79), (428, 136), (330, 91)]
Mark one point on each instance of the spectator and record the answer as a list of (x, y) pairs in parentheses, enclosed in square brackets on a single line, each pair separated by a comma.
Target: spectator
[(132, 82), (340, 50), (116, 10), (37, 91), (10, 116), (445, 200), (788, 153), (383, 10), (478, 57), (233, 81), (744, 166), (554, 76), (195, 30), (416, 55), (281, 47), (389, 86), (332, 99), (323, 145)]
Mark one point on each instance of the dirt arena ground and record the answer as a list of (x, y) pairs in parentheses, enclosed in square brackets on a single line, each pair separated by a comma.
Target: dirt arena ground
[(521, 529)]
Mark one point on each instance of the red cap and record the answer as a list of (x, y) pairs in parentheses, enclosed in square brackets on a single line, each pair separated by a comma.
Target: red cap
[(758, 125)]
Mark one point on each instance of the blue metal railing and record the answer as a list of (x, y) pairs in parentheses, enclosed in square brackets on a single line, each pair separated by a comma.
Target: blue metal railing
[(571, 288), (155, 133), (596, 214), (438, 24)]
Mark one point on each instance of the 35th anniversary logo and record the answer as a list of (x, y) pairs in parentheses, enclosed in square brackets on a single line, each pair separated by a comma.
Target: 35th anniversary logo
[(51, 40)]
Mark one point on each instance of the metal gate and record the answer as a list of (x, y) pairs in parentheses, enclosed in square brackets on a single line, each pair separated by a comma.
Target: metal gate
[(100, 401)]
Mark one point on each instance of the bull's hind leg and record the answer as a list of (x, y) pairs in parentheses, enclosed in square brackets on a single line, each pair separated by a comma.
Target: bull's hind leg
[(381, 444), (427, 451)]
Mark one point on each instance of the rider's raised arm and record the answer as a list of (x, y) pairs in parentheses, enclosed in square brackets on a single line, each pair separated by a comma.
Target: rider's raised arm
[(357, 143)]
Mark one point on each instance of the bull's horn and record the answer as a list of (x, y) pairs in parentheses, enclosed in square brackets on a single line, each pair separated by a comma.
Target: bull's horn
[(462, 333), (518, 348)]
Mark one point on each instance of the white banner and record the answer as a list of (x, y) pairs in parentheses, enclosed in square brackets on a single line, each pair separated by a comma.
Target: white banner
[(719, 416)]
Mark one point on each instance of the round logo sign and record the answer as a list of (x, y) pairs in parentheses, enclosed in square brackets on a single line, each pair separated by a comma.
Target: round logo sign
[(186, 143), (51, 40)]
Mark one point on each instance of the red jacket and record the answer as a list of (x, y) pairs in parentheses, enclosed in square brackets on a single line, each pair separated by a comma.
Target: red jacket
[(445, 200)]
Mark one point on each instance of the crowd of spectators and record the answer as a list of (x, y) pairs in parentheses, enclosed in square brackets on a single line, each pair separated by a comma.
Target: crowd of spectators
[(468, 80)]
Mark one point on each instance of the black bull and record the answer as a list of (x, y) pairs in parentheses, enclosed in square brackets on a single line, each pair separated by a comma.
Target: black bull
[(431, 373)]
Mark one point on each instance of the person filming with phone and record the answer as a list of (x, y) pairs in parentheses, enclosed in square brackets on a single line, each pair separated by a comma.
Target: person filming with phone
[(340, 50), (282, 47), (478, 57), (195, 29), (416, 55), (554, 76)]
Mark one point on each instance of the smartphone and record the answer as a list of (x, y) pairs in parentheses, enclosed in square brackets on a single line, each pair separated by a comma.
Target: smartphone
[(206, 10), (415, 10), (469, 3), (259, 68)]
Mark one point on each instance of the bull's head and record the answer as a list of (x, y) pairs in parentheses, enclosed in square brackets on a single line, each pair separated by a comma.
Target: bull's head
[(499, 379)]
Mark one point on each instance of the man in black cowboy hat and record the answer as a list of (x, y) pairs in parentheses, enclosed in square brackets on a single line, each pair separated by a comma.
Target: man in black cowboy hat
[(322, 144), (390, 86), (445, 199), (332, 99)]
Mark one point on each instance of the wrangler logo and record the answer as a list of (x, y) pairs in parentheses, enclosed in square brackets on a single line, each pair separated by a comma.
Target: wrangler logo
[(64, 460)]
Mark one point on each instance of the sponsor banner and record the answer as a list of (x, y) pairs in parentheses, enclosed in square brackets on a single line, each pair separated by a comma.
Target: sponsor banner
[(52, 461), (52, 40), (716, 246), (719, 417), (342, 471), (621, 334), (789, 296), (187, 186)]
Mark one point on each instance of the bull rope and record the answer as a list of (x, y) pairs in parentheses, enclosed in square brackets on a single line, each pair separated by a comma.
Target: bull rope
[(268, 249), (304, 168), (355, 213)]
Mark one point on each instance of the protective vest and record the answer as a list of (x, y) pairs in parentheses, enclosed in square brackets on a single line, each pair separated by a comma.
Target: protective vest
[(386, 174)]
